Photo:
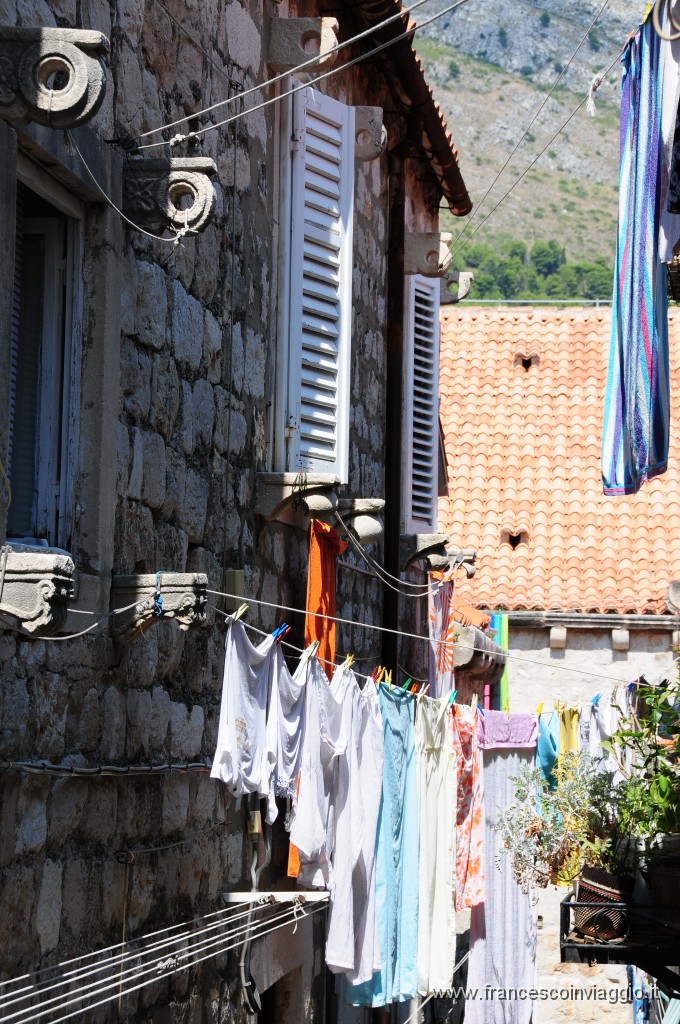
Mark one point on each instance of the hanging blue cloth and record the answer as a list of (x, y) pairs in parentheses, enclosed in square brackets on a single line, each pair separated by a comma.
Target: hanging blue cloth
[(396, 859), (548, 746), (636, 413)]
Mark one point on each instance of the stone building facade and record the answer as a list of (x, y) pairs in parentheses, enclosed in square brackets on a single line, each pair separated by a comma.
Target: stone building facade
[(147, 440)]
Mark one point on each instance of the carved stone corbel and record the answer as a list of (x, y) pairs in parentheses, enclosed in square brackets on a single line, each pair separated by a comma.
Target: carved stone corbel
[(35, 589), (429, 548), (456, 285), (292, 498), (364, 515), (169, 193), (182, 596), (427, 253), (370, 134), (53, 76), (294, 41), (476, 658), (465, 558)]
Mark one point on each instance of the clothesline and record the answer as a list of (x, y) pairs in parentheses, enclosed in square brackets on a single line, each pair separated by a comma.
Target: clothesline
[(416, 636)]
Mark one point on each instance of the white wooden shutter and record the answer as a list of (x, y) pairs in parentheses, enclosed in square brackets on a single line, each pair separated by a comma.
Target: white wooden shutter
[(421, 394), (322, 212)]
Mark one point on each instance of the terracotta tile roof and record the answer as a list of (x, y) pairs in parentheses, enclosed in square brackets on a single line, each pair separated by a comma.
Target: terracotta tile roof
[(522, 445)]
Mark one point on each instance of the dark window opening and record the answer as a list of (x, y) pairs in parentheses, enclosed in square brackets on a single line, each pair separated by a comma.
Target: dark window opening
[(526, 362), (515, 539)]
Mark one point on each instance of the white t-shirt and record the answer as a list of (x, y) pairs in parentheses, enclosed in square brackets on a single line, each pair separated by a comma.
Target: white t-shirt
[(242, 759), (286, 722)]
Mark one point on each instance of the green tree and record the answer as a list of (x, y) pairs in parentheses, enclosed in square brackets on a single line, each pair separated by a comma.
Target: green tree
[(545, 19), (454, 70), (547, 257)]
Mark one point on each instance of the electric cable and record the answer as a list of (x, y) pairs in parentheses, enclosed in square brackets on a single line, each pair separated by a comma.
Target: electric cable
[(526, 131), (382, 572), (303, 85), (401, 15), (415, 636)]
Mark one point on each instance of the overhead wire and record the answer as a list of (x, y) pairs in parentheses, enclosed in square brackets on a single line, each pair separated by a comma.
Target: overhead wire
[(268, 83), (304, 85), (573, 114), (100, 619), (526, 131), (160, 967), (546, 665), (381, 571)]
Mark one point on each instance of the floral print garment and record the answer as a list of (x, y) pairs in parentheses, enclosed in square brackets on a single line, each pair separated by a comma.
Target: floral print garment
[(470, 878)]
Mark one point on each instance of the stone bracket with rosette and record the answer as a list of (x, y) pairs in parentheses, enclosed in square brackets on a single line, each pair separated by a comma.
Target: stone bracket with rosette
[(36, 587), (53, 76), (183, 598), (174, 193)]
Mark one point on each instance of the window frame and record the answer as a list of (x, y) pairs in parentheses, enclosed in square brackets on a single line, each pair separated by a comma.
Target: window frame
[(58, 372), (295, 231), (411, 522)]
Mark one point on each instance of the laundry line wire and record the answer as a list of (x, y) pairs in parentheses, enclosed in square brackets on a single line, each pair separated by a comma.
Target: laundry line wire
[(131, 951), (478, 206), (416, 636), (165, 967), (143, 604), (305, 85), (380, 570), (401, 15)]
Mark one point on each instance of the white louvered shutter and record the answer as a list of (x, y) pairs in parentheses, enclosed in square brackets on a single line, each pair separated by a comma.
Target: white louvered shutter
[(322, 212), (421, 391)]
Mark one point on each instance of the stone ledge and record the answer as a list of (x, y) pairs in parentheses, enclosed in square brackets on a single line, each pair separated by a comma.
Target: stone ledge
[(427, 253), (35, 60), (36, 586), (294, 41), (182, 596), (429, 548), (175, 193), (295, 498)]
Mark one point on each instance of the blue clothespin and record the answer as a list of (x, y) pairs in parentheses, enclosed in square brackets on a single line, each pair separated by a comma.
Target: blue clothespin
[(280, 630), (596, 699), (158, 598), (452, 697)]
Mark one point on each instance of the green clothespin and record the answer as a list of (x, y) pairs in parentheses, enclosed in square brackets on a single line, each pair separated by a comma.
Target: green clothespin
[(452, 698), (405, 686)]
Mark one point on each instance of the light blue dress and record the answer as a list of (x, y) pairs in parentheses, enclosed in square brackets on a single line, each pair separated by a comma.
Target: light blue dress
[(548, 746), (396, 867)]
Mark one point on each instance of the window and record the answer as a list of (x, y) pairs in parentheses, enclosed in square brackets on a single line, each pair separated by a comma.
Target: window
[(41, 360), (421, 404), (313, 399)]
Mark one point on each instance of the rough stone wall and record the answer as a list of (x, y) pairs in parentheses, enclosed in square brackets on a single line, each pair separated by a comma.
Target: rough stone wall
[(195, 381)]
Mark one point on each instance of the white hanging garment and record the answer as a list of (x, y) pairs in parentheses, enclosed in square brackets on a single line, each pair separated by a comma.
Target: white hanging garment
[(437, 793), (242, 759), (313, 814), (286, 722), (352, 946)]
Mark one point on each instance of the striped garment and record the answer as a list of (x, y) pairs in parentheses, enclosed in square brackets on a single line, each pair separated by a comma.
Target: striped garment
[(636, 414)]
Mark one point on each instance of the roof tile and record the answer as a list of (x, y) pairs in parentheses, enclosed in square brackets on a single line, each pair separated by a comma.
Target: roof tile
[(523, 454)]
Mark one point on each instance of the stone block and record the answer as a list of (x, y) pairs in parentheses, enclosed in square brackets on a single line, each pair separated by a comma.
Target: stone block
[(141, 901), (242, 36), (175, 484), (558, 637), (135, 381), (98, 824), (159, 719), (31, 823), (48, 910), (204, 411), (123, 453), (18, 893), (620, 639), (256, 350), (114, 713), (88, 721), (165, 395), (212, 347), (141, 659), (170, 648), (187, 327), (186, 419), (175, 803), (186, 730), (134, 487), (195, 509), (230, 431), (171, 547), (50, 709), (153, 477), (76, 901), (66, 808), (15, 717), (138, 716), (152, 304)]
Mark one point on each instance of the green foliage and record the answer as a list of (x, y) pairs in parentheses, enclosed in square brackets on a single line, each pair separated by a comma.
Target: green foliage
[(545, 19), (503, 37), (511, 271), (454, 70), (526, 71), (594, 40)]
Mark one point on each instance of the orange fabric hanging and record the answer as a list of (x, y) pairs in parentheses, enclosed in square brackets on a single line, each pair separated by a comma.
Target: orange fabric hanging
[(324, 547)]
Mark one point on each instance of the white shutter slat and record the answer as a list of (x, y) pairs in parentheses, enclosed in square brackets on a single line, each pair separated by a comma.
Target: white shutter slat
[(421, 404), (320, 301)]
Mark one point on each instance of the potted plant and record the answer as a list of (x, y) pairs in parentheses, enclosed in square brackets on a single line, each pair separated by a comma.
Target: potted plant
[(572, 832)]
